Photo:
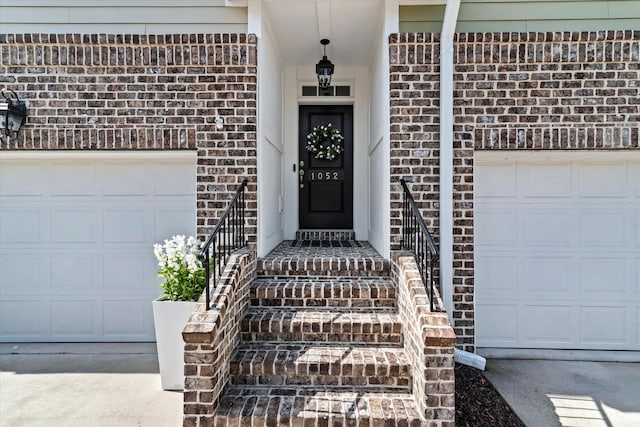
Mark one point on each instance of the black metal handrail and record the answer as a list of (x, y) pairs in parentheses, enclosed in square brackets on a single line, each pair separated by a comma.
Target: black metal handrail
[(228, 236), (417, 239)]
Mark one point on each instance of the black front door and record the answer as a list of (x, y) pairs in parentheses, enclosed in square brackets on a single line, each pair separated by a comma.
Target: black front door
[(326, 186)]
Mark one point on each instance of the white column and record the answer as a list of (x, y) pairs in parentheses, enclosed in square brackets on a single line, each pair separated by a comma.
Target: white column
[(446, 153)]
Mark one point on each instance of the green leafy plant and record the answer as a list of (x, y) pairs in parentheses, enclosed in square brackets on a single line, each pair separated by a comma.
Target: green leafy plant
[(184, 276)]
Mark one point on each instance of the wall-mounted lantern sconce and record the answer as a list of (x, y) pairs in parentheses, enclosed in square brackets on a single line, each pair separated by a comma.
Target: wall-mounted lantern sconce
[(13, 112), (324, 68)]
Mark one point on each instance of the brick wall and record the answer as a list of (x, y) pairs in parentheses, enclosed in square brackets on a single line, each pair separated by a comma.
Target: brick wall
[(130, 92), (513, 91), (429, 341), (211, 336)]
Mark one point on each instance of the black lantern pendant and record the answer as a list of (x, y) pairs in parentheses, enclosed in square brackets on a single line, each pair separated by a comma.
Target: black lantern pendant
[(13, 112), (324, 68)]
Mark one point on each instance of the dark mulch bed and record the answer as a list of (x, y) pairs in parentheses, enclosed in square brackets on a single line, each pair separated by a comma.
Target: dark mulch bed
[(478, 403)]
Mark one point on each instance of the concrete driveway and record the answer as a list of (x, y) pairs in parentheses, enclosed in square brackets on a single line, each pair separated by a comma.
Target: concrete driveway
[(84, 385), (549, 393)]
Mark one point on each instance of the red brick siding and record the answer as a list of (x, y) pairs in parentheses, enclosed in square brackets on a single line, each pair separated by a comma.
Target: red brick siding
[(143, 92), (513, 91)]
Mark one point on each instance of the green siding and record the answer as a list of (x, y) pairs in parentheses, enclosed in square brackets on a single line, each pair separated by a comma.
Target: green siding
[(527, 16), (121, 16)]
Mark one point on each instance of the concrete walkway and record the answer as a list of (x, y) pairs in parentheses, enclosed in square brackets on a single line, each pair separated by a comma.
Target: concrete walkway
[(84, 385), (119, 385), (549, 393)]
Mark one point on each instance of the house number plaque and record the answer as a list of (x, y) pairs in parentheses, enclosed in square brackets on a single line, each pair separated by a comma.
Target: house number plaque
[(326, 176)]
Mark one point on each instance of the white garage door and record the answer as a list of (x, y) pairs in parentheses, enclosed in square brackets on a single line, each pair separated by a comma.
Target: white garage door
[(76, 236), (558, 250)]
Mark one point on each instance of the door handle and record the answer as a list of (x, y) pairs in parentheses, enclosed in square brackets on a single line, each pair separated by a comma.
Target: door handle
[(301, 175)]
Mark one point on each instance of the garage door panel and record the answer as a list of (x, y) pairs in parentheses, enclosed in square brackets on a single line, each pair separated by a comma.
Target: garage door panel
[(496, 181), (22, 272), (74, 271), (123, 179), (125, 271), (604, 180), (549, 275), (497, 324), (64, 180), (23, 318), (77, 239), (543, 180), (499, 227), (74, 225), (125, 225), (604, 276), (604, 325), (637, 227), (548, 324), (22, 179), (74, 318), (547, 228), (603, 227), (576, 281), (170, 179), (21, 226), (498, 273), (125, 318), (170, 221)]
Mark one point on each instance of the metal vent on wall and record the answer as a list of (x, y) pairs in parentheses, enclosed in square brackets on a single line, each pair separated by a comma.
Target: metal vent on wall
[(330, 91)]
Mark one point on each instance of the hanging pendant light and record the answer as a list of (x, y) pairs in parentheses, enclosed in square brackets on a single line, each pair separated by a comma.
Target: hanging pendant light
[(324, 68)]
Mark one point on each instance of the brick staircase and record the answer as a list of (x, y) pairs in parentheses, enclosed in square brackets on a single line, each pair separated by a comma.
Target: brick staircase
[(321, 343)]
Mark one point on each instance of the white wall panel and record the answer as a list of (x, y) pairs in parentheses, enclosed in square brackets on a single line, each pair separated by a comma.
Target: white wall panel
[(76, 253), (558, 244)]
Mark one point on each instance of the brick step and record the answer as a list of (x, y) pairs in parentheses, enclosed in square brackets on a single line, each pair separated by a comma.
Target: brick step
[(333, 293), (377, 367), (280, 325), (319, 407), (328, 235), (323, 258)]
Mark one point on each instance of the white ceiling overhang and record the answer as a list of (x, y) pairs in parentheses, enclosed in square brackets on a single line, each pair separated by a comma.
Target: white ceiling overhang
[(352, 26)]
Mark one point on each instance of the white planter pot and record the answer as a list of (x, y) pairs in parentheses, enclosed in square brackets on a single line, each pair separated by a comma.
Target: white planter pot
[(169, 318)]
